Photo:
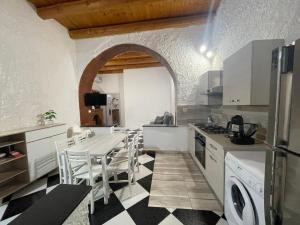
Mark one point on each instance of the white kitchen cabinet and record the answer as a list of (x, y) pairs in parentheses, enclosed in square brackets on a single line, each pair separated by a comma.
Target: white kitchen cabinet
[(207, 81), (215, 167), (214, 147), (191, 144), (41, 151), (215, 173), (246, 74)]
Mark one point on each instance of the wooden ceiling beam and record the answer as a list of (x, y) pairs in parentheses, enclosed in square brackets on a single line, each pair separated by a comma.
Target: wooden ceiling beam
[(132, 61), (139, 26), (87, 6), (130, 55), (134, 66), (110, 71)]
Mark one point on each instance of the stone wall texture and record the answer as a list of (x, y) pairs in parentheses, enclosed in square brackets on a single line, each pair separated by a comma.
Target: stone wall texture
[(240, 21), (236, 23), (37, 68), (178, 46)]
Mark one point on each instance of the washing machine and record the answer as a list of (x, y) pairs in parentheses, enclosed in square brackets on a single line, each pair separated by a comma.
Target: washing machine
[(244, 188)]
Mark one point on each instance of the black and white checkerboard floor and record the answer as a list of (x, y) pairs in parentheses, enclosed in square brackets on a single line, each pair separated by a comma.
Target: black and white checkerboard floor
[(123, 208)]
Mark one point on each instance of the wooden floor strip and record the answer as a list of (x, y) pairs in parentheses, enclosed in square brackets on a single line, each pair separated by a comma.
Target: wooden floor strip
[(177, 182)]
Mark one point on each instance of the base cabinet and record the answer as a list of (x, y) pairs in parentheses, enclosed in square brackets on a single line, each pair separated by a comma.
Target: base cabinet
[(215, 174), (191, 144), (41, 151)]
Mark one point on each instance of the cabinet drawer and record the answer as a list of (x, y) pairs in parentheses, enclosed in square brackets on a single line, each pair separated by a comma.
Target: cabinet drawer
[(44, 133), (215, 174), (215, 148)]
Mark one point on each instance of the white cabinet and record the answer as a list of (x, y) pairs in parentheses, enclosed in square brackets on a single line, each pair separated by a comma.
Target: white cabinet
[(191, 144), (215, 173), (207, 81), (246, 74), (41, 151), (215, 167)]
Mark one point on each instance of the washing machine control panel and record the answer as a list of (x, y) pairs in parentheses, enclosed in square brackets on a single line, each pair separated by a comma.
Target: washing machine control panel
[(248, 178)]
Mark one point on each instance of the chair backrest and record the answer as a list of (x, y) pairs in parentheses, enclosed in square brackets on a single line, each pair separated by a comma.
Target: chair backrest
[(77, 160), (131, 150), (61, 147), (82, 137), (136, 140), (120, 130)]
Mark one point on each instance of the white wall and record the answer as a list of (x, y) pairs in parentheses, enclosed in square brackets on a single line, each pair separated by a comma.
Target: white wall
[(239, 22), (37, 68), (147, 94), (166, 138), (144, 94), (109, 83)]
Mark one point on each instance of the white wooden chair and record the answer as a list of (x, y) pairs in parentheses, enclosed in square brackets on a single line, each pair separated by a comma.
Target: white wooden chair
[(61, 147), (81, 169), (121, 164), (123, 152)]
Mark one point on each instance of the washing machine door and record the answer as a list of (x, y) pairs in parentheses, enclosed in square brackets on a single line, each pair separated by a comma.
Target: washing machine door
[(240, 202)]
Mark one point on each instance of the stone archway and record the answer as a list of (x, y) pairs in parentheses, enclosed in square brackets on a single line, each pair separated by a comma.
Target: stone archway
[(91, 70)]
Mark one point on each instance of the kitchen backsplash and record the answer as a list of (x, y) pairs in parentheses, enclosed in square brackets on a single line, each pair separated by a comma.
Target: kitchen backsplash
[(192, 114), (251, 114)]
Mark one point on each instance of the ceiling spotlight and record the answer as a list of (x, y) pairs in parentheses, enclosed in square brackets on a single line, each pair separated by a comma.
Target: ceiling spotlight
[(209, 54), (203, 48)]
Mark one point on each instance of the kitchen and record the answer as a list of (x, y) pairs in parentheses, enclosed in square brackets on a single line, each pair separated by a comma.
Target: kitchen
[(235, 109)]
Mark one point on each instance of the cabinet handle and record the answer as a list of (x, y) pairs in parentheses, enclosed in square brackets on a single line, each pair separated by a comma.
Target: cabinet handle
[(212, 158), (238, 100), (213, 147)]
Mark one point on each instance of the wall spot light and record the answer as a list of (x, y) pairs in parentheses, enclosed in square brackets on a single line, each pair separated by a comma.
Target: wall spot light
[(206, 51), (209, 54), (203, 48)]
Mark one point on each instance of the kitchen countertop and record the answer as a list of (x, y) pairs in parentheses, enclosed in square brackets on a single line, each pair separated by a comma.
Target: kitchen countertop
[(28, 129), (228, 145)]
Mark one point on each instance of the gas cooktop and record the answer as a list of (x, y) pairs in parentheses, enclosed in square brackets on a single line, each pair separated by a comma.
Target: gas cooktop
[(212, 129)]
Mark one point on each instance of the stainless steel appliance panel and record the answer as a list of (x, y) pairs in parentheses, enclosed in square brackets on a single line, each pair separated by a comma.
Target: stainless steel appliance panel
[(294, 139), (274, 87), (291, 204)]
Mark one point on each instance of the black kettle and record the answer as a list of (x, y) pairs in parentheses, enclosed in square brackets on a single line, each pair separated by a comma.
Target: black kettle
[(236, 131)]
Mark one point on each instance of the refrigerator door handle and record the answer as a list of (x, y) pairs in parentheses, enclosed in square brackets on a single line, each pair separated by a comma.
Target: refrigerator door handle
[(278, 186), (286, 81)]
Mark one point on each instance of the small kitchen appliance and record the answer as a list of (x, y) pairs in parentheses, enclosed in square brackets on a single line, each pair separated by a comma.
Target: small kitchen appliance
[(236, 130)]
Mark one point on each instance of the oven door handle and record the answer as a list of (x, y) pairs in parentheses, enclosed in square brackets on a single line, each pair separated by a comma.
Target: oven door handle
[(200, 141)]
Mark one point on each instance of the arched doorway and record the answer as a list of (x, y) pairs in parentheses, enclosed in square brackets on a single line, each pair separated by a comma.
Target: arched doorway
[(92, 69)]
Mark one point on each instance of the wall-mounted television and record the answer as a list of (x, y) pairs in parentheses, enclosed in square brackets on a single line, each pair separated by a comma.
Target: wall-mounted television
[(95, 99)]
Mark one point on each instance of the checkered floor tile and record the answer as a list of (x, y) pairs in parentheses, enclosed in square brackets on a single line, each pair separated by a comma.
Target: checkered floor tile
[(125, 207)]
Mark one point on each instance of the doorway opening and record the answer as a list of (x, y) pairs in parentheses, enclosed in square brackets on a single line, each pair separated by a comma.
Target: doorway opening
[(138, 83)]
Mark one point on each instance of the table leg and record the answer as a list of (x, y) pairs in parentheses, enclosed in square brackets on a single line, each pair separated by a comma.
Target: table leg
[(105, 180)]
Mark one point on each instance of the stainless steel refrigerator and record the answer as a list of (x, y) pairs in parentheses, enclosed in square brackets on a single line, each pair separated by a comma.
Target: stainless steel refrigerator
[(284, 134)]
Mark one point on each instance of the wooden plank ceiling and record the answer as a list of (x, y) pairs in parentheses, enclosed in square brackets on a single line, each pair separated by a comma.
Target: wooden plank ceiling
[(129, 60), (94, 18)]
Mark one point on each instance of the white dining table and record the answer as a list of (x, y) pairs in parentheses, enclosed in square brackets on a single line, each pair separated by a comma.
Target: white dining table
[(100, 146)]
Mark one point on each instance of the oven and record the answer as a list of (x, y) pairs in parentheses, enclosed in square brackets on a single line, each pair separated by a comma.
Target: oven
[(200, 143)]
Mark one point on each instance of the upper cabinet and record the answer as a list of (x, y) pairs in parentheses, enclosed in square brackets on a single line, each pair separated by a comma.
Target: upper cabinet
[(210, 88), (246, 74)]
